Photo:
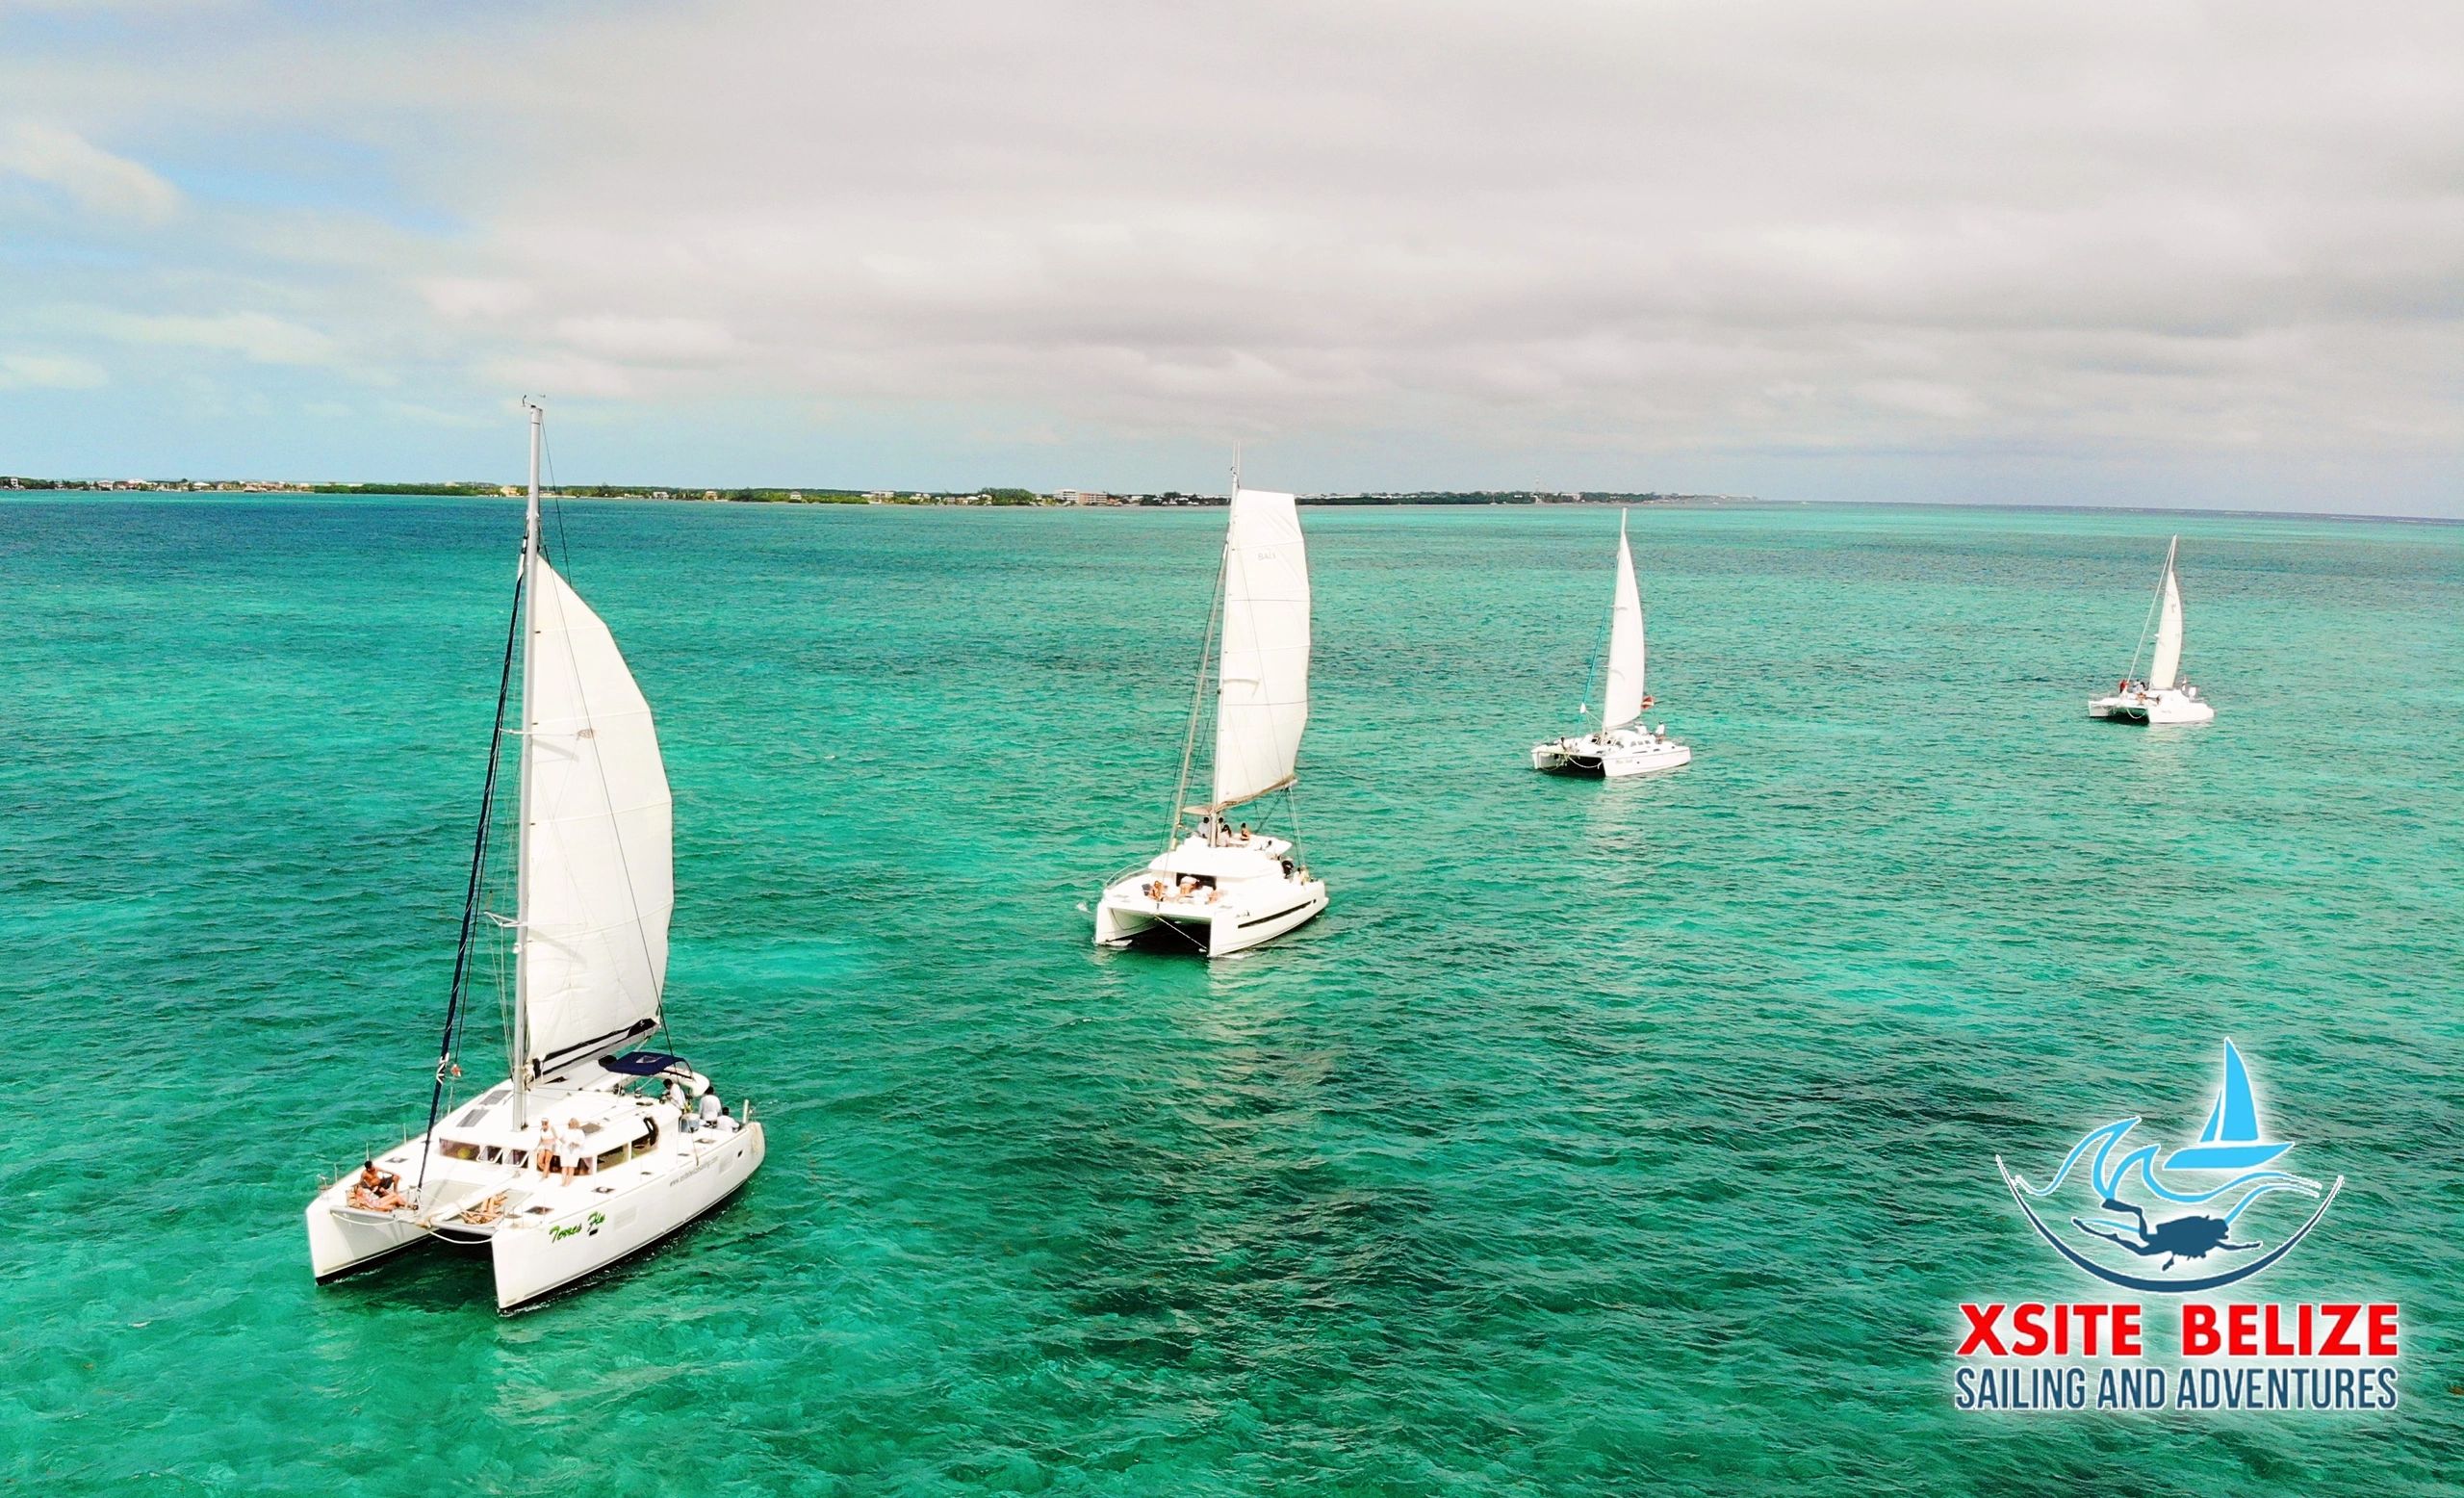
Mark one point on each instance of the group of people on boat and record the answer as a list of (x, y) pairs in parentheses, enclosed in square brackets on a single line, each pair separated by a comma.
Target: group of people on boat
[(561, 1153), (710, 1112), (1187, 888), (1217, 836), (2132, 686)]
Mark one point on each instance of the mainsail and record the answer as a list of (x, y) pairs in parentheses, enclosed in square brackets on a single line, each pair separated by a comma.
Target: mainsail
[(598, 877), (2166, 668), (1622, 702), (1262, 701)]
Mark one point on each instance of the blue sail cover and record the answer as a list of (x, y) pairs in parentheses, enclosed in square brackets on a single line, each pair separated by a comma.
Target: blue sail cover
[(642, 1063), (2231, 1140)]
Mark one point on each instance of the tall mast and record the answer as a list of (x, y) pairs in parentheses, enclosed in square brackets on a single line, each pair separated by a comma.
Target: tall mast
[(522, 826), (1608, 656), (1205, 663)]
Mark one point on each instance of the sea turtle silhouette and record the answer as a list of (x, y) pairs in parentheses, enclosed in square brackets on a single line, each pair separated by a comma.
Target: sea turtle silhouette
[(2192, 1236)]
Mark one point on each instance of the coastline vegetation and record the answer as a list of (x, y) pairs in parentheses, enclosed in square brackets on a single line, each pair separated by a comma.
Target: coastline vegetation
[(991, 495)]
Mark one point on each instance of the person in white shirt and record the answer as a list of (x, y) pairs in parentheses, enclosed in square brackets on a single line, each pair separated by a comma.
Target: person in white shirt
[(569, 1148), (711, 1109)]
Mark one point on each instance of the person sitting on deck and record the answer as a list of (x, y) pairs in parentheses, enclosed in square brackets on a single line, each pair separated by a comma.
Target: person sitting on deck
[(375, 1191), (543, 1158), (1245, 832), (569, 1146), (711, 1109)]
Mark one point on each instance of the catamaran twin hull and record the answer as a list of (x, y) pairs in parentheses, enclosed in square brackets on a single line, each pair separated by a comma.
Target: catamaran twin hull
[(1209, 897), (541, 1232), (1215, 931), (2156, 709), (1589, 756)]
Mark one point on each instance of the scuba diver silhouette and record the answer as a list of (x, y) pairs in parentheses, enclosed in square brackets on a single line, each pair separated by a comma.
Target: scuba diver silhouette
[(2195, 1236)]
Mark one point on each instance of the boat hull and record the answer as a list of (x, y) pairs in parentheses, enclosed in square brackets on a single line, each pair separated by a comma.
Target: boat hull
[(1240, 891), (2157, 710), (477, 1183), (343, 1242), (1584, 757), (537, 1256), (1125, 917), (1218, 932)]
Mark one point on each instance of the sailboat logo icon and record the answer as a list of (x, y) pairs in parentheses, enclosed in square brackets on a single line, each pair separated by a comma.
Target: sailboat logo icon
[(2231, 1140), (2207, 1243)]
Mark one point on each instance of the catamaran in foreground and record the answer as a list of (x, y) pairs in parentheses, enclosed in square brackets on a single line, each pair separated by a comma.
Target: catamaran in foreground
[(2164, 697), (590, 1150), (1224, 888), (1619, 746)]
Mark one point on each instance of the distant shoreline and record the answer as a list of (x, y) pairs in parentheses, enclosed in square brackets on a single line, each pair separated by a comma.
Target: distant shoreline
[(994, 497), (30, 488)]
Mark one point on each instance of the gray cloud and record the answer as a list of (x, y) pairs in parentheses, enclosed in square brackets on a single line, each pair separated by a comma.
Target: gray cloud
[(1639, 234)]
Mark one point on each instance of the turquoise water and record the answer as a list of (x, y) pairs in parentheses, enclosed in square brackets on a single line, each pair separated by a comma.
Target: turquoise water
[(1601, 1138)]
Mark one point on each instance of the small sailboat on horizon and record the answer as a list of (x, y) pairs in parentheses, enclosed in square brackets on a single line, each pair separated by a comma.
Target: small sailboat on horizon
[(590, 1149), (2165, 695), (1619, 746), (1218, 890)]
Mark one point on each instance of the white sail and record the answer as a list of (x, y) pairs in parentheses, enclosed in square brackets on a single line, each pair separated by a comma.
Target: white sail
[(1263, 699), (2166, 669), (598, 877), (1623, 700)]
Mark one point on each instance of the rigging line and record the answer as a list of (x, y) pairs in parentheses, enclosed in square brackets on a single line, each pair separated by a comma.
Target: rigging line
[(1197, 700), (547, 462), (2153, 605), (478, 874), (1598, 676)]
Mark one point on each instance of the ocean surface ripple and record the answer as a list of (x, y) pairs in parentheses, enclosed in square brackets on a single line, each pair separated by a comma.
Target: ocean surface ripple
[(1601, 1138)]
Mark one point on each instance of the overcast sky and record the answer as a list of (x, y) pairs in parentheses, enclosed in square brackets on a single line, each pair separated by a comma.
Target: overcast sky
[(2140, 254)]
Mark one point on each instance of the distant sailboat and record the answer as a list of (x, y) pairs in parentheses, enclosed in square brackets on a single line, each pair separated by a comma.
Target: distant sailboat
[(1219, 891), (590, 1150), (2230, 1141), (2165, 695), (1618, 746)]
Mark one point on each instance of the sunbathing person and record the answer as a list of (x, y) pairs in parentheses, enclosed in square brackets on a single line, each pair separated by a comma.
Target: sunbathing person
[(375, 1191)]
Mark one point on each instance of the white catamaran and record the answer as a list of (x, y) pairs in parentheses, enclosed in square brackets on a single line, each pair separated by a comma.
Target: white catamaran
[(1224, 887), (589, 1151), (1620, 746), (2165, 695)]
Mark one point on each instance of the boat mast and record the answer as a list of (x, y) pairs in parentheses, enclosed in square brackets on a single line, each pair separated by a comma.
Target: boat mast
[(522, 826), (1205, 661), (474, 892)]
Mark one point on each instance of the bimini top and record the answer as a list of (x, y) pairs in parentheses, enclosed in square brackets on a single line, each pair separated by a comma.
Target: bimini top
[(642, 1063)]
